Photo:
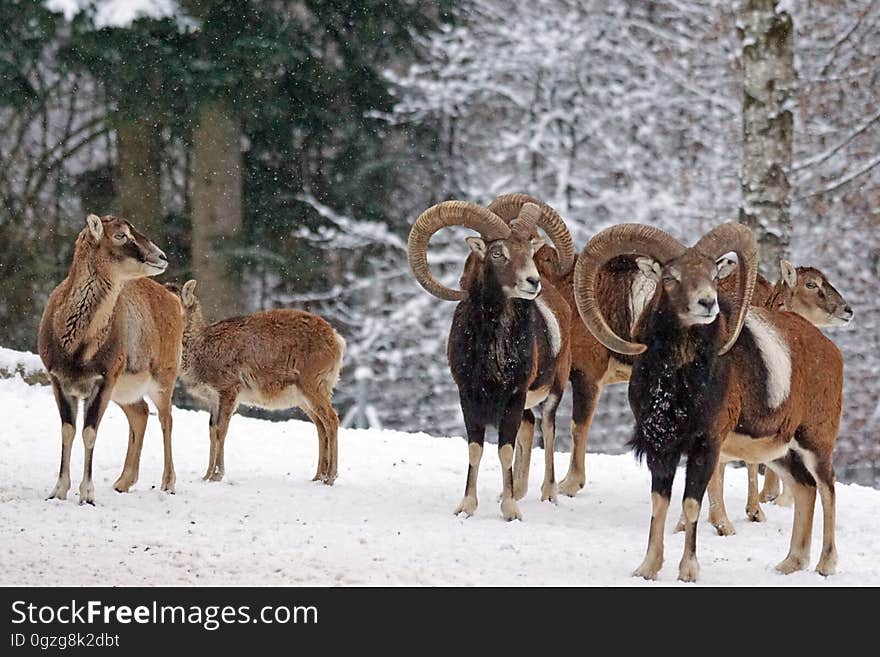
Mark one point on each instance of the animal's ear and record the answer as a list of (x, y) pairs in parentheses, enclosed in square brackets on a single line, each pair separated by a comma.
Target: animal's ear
[(478, 246), (789, 273), (649, 267), (96, 227), (188, 293), (726, 266), (537, 243)]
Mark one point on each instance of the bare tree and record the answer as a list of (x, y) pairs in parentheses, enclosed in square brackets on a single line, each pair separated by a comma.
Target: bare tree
[(216, 206), (769, 86)]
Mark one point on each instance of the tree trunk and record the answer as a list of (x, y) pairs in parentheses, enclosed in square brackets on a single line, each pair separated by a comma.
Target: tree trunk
[(769, 81), (216, 208), (138, 175)]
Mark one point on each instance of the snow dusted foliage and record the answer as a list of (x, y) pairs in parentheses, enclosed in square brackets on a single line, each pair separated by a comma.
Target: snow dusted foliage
[(617, 112), (609, 111), (836, 204)]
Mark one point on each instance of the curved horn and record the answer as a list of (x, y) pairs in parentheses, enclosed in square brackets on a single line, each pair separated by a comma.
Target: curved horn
[(735, 237), (610, 243), (448, 213), (508, 207), (524, 225)]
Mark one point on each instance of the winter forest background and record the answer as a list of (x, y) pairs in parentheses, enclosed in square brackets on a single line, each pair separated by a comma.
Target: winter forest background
[(279, 151)]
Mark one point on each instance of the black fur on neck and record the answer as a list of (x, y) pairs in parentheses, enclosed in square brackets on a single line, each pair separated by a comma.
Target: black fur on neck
[(677, 386), (490, 347)]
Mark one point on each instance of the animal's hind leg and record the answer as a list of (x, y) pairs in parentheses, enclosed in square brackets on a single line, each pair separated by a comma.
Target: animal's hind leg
[(825, 483), (212, 446), (717, 511), (662, 476), (137, 414), (225, 409), (162, 400), (94, 411), (327, 423), (313, 408), (548, 432), (476, 432), (67, 407), (584, 397), (522, 460), (822, 472), (798, 479), (770, 491), (753, 507)]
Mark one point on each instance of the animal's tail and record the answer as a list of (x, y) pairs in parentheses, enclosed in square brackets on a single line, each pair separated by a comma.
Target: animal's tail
[(331, 377)]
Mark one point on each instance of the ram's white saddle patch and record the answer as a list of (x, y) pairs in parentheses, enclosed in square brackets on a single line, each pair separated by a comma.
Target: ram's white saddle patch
[(775, 354), (641, 292), (552, 325)]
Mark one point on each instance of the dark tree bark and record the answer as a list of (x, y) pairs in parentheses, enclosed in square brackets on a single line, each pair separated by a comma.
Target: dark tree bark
[(216, 208), (138, 174), (769, 81)]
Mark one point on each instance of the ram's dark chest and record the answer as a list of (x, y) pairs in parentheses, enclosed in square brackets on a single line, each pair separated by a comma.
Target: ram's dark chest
[(491, 354), (676, 393)]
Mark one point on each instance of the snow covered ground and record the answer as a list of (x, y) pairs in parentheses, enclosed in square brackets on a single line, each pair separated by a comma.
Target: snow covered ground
[(387, 521)]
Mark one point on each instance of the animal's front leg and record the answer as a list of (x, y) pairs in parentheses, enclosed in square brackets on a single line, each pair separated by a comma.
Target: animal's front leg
[(701, 464), (94, 411), (524, 441), (476, 432), (507, 430), (662, 476), (137, 415), (67, 407)]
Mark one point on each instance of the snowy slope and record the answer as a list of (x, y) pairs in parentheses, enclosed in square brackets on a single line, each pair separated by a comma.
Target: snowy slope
[(387, 521)]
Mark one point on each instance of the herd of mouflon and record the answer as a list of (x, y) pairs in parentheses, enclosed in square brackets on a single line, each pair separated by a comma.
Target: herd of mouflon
[(722, 364)]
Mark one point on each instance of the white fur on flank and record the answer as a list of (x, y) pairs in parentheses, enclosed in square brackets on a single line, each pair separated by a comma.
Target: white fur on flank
[(641, 292), (775, 354), (552, 325)]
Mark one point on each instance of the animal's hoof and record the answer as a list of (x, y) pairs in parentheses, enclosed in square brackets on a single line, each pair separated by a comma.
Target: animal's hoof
[(827, 565), (648, 570), (168, 484), (122, 485), (328, 480), (87, 494), (467, 507), (318, 477), (548, 493), (791, 564), (571, 485), (58, 493), (723, 527), (756, 515), (510, 510), (688, 570), (784, 500), (216, 476)]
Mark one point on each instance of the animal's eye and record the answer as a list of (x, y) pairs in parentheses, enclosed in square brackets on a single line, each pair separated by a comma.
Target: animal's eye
[(120, 237), (669, 279), (811, 285), (497, 254)]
